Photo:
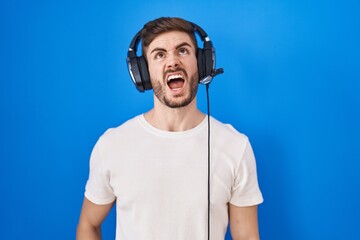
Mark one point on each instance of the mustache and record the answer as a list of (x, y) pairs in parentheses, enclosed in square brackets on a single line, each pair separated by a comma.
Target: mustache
[(174, 70)]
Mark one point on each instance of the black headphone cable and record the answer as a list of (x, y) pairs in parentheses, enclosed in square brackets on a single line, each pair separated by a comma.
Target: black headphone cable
[(207, 84), (208, 158)]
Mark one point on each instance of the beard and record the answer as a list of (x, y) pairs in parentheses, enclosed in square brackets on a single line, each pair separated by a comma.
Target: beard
[(176, 101)]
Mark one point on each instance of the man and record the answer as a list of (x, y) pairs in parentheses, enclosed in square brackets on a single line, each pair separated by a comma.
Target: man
[(154, 166)]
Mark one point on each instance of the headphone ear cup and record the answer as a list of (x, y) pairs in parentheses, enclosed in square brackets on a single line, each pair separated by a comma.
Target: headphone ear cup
[(205, 58), (135, 74), (200, 63), (209, 58), (144, 73)]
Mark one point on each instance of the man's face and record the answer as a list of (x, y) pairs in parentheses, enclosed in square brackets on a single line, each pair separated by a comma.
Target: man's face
[(173, 69)]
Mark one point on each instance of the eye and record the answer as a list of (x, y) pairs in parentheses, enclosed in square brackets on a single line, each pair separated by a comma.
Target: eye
[(183, 51), (159, 55)]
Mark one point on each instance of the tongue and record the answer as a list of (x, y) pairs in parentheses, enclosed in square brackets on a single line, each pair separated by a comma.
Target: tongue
[(176, 84)]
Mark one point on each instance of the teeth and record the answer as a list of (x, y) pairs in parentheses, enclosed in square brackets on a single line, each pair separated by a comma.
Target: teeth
[(174, 76)]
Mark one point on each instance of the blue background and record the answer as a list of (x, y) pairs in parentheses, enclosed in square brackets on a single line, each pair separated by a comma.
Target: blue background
[(291, 83)]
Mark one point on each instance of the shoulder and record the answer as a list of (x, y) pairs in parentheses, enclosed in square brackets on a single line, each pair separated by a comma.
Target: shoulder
[(227, 131), (121, 132), (227, 140)]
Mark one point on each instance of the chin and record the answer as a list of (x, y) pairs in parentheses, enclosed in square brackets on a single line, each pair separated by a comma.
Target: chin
[(178, 103)]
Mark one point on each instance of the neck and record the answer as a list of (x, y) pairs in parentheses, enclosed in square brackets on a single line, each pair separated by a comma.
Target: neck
[(174, 119)]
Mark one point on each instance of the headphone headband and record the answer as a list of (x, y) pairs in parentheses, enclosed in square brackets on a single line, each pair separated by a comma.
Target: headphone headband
[(134, 44)]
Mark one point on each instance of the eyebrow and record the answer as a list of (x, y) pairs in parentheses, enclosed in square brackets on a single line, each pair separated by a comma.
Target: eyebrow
[(177, 47)]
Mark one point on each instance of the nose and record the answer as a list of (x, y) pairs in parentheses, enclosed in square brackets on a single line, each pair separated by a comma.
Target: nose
[(173, 61)]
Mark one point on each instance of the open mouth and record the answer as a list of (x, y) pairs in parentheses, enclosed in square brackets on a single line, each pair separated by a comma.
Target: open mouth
[(175, 82)]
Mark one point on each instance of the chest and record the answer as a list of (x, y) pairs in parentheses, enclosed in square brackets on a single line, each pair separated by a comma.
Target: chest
[(167, 173)]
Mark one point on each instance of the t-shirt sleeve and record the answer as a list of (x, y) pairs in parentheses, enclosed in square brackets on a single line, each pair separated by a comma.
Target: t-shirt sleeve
[(98, 189), (245, 190)]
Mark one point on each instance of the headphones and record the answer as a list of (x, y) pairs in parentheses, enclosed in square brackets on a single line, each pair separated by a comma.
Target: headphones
[(138, 68)]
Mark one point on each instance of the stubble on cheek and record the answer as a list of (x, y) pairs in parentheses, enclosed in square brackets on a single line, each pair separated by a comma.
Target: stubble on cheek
[(158, 89)]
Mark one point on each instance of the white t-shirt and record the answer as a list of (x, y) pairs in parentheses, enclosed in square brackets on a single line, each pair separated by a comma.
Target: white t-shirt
[(159, 179)]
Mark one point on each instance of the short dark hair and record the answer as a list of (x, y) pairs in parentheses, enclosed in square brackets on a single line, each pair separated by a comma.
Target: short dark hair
[(165, 24)]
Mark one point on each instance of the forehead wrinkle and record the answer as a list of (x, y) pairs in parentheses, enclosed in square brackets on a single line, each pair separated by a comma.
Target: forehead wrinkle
[(166, 41), (159, 49)]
